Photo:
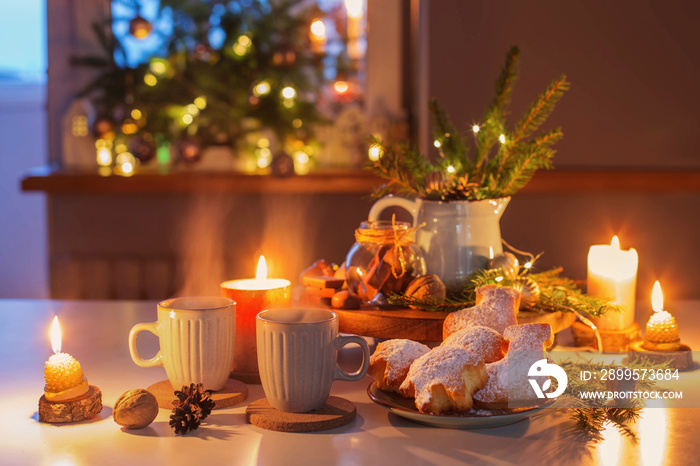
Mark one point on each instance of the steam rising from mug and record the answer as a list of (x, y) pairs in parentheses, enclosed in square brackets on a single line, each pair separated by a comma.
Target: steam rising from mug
[(222, 236)]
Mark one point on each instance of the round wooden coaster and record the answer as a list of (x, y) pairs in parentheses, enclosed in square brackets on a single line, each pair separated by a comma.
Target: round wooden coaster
[(233, 393), (337, 412), (247, 377)]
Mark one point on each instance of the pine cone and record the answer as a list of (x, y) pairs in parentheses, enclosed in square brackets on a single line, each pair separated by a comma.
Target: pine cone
[(191, 408), (435, 182), (462, 188)]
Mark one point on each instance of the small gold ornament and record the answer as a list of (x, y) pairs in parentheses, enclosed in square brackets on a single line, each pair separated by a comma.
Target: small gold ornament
[(140, 27), (507, 262), (529, 291)]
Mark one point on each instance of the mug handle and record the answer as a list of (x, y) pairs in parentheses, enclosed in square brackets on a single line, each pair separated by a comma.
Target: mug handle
[(393, 201), (343, 340), (155, 360)]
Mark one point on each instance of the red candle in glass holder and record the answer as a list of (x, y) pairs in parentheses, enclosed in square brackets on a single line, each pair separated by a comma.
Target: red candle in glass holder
[(252, 296)]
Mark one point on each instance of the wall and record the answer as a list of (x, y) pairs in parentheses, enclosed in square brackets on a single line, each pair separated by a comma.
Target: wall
[(634, 68), (23, 249)]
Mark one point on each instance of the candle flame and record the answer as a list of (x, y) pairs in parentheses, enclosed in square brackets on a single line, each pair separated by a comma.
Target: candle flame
[(56, 335), (261, 273), (615, 243), (657, 298)]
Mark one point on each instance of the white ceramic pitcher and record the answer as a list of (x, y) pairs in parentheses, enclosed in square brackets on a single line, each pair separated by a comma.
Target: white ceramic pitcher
[(458, 236)]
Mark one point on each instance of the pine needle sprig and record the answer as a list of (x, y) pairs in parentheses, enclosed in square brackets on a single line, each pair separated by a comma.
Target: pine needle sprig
[(506, 82), (403, 167), (505, 158), (452, 146), (532, 156), (592, 416), (541, 109)]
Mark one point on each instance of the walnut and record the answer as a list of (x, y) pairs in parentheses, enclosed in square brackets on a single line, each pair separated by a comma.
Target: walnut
[(427, 288), (345, 300), (135, 409)]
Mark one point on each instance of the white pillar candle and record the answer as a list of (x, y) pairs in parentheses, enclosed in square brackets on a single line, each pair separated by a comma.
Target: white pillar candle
[(612, 274)]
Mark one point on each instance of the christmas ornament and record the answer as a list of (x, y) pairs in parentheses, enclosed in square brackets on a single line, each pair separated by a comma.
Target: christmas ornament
[(129, 126), (143, 147), (103, 127), (140, 27), (190, 150), (284, 56), (282, 165), (191, 408), (435, 182), (506, 262), (529, 291)]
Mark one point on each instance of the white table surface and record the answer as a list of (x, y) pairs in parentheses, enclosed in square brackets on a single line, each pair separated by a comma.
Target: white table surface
[(95, 332)]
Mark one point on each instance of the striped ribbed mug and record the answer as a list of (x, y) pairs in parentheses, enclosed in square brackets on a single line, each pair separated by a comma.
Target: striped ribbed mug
[(196, 337), (297, 357)]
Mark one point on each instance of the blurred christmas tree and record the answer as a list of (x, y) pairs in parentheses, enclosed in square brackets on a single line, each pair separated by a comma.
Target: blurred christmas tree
[(222, 70)]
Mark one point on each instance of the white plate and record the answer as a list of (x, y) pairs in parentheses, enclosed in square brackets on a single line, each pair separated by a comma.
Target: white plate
[(474, 419)]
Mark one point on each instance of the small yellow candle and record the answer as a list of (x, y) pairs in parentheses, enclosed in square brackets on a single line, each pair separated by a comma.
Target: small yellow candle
[(662, 331), (62, 372), (612, 274)]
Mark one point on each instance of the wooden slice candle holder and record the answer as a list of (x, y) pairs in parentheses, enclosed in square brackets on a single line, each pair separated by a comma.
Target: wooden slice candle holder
[(681, 359), (72, 410)]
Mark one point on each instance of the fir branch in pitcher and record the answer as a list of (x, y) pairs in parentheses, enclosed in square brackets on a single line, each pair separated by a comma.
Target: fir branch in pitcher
[(504, 159)]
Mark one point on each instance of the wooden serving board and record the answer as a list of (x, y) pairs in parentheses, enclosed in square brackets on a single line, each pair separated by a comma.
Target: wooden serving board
[(424, 325), (400, 323)]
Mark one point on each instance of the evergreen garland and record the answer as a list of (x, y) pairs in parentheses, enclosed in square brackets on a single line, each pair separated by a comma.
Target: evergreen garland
[(557, 293), (505, 157), (592, 416)]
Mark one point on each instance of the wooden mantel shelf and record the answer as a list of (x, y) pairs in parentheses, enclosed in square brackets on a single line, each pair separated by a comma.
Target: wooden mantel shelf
[(52, 180)]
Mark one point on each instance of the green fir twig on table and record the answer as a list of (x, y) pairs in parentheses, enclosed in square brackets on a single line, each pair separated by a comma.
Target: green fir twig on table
[(557, 294), (592, 416)]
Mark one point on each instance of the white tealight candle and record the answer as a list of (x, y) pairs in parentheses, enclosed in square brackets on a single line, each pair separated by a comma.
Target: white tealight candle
[(612, 274)]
